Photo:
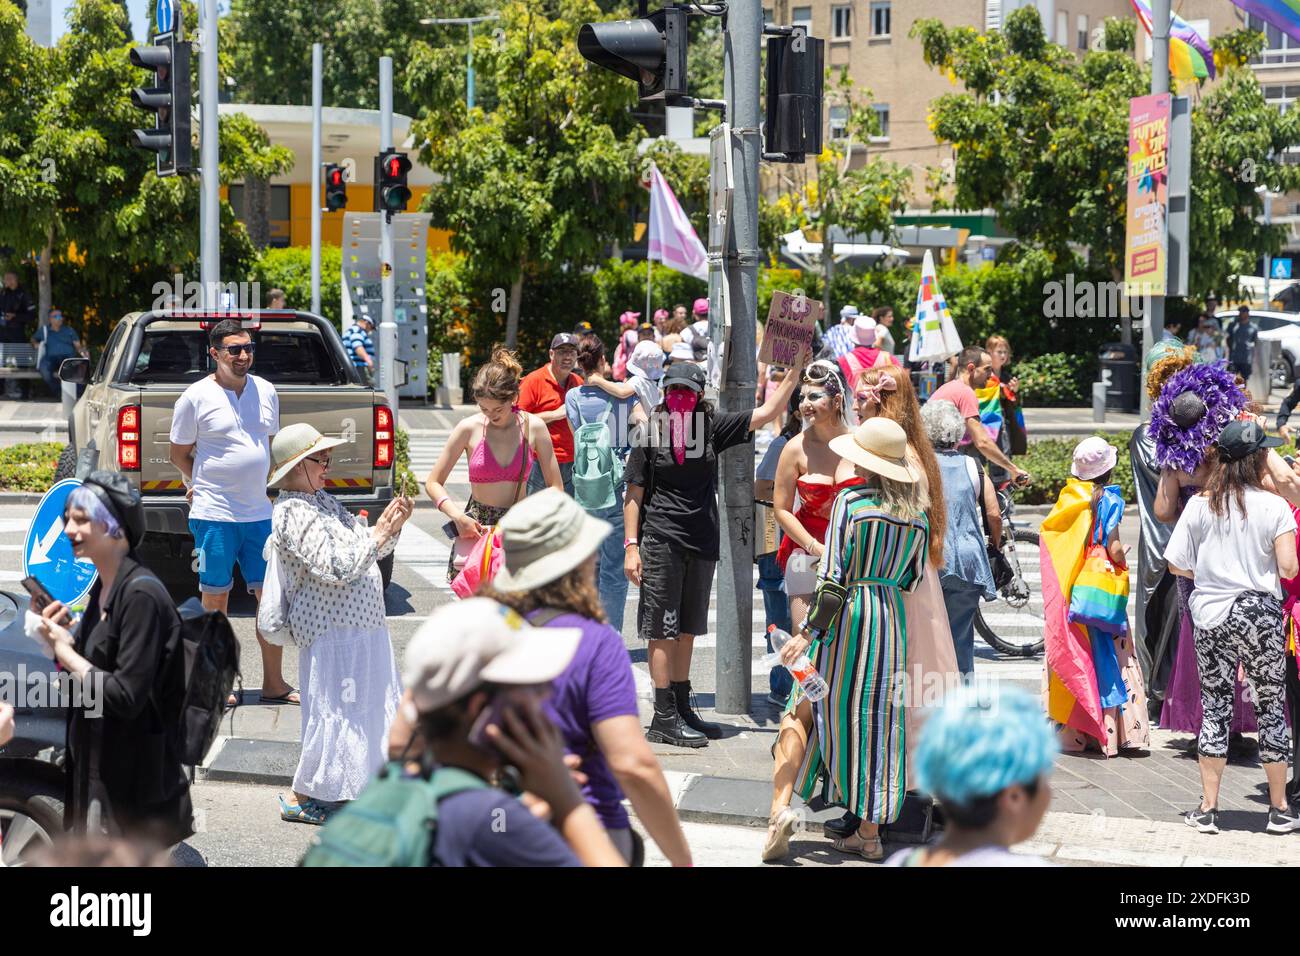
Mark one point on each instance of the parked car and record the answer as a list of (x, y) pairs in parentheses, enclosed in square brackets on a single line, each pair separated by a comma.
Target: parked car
[(123, 420), (1282, 326)]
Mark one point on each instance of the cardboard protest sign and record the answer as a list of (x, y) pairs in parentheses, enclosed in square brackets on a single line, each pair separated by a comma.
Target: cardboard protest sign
[(791, 325)]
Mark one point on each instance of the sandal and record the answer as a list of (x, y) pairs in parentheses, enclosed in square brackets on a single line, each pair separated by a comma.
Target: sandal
[(779, 830), (290, 696), (869, 848), (309, 812)]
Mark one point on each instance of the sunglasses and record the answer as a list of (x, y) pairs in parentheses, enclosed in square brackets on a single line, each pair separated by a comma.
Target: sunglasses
[(323, 461), (234, 351)]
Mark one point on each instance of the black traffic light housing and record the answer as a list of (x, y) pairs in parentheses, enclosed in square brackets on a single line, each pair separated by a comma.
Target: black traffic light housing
[(650, 50), (169, 98), (793, 122), (336, 188), (391, 192)]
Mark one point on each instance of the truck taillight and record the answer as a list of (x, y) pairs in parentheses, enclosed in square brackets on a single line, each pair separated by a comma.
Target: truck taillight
[(383, 437), (128, 438)]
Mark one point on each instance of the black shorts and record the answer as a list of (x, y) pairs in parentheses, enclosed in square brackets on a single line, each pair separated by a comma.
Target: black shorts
[(675, 589)]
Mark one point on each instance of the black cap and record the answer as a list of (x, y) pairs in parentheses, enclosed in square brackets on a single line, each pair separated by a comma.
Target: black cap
[(1242, 438), (564, 340), (684, 373), (121, 499)]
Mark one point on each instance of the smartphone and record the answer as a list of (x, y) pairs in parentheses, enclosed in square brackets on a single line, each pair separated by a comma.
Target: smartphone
[(493, 713), (1290, 460), (40, 596)]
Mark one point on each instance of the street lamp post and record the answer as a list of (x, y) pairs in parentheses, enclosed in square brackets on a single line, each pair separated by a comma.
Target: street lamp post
[(469, 54)]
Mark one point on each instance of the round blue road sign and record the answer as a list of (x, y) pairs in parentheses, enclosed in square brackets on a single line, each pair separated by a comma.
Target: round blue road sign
[(164, 14), (47, 553)]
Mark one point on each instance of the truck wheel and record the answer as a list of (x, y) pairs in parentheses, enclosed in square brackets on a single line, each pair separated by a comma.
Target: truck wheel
[(67, 466), (31, 819), (386, 570)]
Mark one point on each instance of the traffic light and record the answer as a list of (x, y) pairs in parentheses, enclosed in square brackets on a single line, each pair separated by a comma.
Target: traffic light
[(336, 188), (650, 50), (391, 192), (169, 97), (794, 97)]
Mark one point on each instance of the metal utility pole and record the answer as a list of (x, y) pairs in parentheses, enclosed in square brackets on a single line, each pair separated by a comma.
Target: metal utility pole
[(742, 33), (1154, 324), (210, 175), (469, 54), (387, 324), (316, 70)]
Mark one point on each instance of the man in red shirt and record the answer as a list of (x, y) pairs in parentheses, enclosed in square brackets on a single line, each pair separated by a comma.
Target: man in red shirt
[(974, 366), (541, 393)]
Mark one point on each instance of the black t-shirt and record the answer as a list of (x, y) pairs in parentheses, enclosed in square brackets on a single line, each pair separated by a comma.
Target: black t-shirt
[(683, 505)]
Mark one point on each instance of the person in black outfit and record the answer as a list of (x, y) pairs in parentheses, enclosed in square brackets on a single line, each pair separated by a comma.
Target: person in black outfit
[(1285, 409), (16, 310), (124, 773)]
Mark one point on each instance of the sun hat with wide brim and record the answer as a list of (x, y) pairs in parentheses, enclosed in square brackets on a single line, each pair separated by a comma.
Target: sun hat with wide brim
[(294, 443), (880, 446), (543, 538), (1092, 458)]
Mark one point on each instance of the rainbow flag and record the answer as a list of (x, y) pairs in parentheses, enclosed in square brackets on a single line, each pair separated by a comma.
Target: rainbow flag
[(1074, 697), (1190, 57), (990, 399), (1283, 14)]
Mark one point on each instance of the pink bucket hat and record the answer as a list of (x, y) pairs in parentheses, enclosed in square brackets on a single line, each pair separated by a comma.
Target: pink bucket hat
[(661, 314), (629, 319), (1093, 457), (864, 330), (701, 307)]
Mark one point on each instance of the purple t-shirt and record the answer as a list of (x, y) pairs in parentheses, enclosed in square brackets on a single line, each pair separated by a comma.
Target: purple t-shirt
[(596, 686)]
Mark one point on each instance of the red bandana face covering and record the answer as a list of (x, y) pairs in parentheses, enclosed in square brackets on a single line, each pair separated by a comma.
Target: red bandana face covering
[(680, 402)]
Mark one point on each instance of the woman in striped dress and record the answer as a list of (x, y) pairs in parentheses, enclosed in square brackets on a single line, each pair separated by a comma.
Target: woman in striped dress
[(875, 550)]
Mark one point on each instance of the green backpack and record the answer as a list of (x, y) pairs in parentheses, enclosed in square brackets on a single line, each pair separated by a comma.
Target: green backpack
[(597, 472), (392, 823)]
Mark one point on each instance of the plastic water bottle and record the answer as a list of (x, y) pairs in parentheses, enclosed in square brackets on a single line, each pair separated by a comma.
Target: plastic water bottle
[(814, 687)]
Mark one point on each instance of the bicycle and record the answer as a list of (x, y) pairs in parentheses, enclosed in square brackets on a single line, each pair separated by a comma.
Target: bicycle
[(1013, 623)]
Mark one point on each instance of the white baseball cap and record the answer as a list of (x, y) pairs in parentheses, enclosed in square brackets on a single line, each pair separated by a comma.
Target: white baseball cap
[(478, 641), (864, 330)]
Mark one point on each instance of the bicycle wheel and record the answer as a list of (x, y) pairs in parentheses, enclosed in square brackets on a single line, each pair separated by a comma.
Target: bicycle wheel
[(1013, 624)]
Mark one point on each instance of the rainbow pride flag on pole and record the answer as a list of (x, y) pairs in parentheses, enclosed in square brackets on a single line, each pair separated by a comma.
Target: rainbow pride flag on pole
[(1283, 14), (1190, 57)]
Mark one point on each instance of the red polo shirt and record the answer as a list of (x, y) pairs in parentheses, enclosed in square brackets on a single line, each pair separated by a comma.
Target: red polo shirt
[(540, 392)]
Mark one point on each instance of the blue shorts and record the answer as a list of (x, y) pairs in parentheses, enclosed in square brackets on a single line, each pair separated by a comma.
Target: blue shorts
[(220, 544)]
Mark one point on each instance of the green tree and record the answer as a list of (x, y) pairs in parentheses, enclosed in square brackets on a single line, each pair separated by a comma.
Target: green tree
[(543, 175)]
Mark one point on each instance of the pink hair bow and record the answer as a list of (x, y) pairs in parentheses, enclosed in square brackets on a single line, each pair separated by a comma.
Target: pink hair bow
[(872, 393)]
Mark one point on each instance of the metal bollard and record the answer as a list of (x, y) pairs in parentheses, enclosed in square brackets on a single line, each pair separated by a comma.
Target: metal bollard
[(1098, 401)]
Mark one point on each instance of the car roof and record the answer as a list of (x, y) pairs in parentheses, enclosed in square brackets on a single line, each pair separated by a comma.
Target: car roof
[(1267, 313)]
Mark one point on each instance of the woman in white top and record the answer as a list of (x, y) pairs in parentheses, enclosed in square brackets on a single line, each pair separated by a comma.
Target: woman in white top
[(350, 684), (1238, 541)]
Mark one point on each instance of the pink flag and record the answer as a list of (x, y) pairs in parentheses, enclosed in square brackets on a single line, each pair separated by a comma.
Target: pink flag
[(672, 238)]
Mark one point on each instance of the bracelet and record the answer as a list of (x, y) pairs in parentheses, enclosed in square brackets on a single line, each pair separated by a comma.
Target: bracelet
[(441, 501), (628, 542)]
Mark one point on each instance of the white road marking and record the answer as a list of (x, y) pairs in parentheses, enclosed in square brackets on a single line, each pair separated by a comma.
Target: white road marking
[(425, 555)]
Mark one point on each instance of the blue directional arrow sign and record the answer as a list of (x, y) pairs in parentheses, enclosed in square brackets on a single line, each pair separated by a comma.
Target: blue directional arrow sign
[(1281, 269), (47, 553), (165, 15)]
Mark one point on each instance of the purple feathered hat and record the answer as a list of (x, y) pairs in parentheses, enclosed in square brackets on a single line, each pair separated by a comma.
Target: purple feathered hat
[(1183, 447)]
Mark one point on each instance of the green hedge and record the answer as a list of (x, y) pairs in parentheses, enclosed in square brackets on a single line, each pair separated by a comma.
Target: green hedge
[(29, 466), (290, 269), (1048, 463), (402, 459), (1057, 378)]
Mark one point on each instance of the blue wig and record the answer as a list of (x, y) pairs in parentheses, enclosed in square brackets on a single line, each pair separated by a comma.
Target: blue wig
[(984, 740)]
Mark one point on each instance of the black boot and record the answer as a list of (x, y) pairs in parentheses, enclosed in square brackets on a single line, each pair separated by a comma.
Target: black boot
[(668, 726), (682, 691), (844, 826)]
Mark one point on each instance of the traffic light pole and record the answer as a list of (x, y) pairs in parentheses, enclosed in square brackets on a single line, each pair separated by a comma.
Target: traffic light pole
[(209, 173), (315, 175), (742, 36), (387, 325)]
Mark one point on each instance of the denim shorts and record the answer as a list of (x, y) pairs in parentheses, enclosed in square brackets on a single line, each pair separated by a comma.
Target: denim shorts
[(220, 544)]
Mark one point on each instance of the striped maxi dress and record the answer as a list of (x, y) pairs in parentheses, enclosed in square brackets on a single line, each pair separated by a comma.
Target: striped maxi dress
[(857, 748)]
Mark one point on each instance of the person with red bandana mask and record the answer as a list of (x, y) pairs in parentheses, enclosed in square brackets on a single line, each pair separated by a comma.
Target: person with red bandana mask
[(670, 515)]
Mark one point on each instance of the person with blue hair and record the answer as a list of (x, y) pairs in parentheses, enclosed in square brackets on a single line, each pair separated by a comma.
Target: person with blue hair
[(986, 757)]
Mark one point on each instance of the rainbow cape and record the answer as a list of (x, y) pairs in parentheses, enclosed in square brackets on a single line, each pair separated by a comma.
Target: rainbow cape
[(1190, 57), (1073, 694), (990, 399)]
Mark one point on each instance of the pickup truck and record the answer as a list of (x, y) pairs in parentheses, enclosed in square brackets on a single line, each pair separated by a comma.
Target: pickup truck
[(123, 420)]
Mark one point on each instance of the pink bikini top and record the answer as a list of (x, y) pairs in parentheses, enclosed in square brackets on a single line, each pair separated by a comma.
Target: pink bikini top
[(484, 468)]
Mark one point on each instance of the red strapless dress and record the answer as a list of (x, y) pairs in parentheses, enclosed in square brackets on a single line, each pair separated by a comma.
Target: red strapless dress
[(815, 500)]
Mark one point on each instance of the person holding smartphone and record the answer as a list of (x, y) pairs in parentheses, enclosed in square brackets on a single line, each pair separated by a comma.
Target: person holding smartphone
[(476, 675)]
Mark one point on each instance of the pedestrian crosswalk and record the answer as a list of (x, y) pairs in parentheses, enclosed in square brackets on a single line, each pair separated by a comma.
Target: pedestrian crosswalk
[(426, 446)]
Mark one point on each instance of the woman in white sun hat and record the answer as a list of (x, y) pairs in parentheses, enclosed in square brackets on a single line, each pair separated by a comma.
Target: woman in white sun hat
[(1092, 684), (335, 600)]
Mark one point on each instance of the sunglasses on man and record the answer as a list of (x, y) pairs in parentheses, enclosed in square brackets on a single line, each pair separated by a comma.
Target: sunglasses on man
[(234, 351)]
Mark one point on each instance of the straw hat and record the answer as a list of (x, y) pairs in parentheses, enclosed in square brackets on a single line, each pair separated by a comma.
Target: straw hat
[(543, 538), (880, 446), (294, 443)]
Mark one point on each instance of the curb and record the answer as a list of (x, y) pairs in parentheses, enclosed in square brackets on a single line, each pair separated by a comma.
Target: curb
[(34, 425), (20, 498)]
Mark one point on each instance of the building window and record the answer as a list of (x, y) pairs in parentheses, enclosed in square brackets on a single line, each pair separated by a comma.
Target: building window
[(1281, 98), (1063, 28), (839, 122), (882, 117), (802, 19), (841, 22), (767, 15), (1083, 31), (880, 19)]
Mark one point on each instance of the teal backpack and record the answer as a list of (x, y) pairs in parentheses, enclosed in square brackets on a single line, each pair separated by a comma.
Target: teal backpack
[(393, 823), (597, 472)]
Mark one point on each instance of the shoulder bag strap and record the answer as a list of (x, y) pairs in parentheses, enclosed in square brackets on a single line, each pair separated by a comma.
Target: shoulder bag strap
[(523, 457), (979, 494)]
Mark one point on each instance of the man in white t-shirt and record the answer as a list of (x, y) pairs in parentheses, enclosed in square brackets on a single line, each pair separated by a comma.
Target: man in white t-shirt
[(221, 442)]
